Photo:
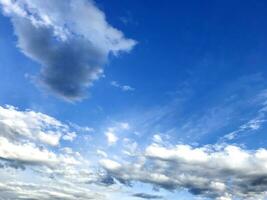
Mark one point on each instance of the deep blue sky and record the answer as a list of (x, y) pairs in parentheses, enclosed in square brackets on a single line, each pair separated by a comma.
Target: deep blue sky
[(183, 47)]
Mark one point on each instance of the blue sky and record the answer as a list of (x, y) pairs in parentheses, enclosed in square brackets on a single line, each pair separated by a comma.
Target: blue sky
[(133, 99)]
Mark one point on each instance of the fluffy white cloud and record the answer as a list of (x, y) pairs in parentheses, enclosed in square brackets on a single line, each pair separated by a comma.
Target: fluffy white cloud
[(217, 172), (72, 48), (17, 125), (111, 133), (110, 164), (30, 154), (25, 136), (111, 138), (31, 169)]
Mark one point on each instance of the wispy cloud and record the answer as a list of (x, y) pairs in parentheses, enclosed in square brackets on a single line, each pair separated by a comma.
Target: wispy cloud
[(255, 123), (124, 88)]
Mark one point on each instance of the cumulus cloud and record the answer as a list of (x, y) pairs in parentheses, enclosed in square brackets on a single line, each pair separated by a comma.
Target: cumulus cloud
[(25, 136), (72, 48), (217, 172), (17, 125), (111, 135), (30, 154), (30, 168)]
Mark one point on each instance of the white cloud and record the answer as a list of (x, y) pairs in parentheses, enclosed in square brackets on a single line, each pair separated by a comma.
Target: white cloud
[(31, 169), (130, 147), (69, 136), (123, 126), (217, 172), (26, 135), (81, 128), (124, 88), (101, 153), (58, 191), (111, 138), (30, 154), (157, 138), (16, 125), (110, 164), (112, 132)]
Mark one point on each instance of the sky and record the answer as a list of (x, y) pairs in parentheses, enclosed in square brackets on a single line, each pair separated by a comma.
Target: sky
[(108, 100)]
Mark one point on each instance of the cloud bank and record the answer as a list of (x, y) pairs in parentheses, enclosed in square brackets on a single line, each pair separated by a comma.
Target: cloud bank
[(216, 172), (71, 48), (30, 143), (34, 163), (29, 125), (24, 136)]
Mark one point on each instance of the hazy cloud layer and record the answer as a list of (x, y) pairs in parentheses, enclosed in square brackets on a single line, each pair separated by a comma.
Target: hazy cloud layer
[(71, 48)]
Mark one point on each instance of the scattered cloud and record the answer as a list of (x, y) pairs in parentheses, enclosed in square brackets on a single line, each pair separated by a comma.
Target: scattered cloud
[(72, 49), (69, 136), (17, 125), (125, 88), (221, 172), (26, 135), (130, 147), (111, 138), (81, 128), (56, 171), (111, 133)]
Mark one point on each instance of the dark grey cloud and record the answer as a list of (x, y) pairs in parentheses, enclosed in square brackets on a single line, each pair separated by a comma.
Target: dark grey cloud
[(7, 163), (147, 196), (71, 40), (107, 180), (69, 67)]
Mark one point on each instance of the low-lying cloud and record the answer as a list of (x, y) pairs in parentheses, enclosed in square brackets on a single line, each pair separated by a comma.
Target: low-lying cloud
[(29, 125), (216, 172), (35, 164)]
